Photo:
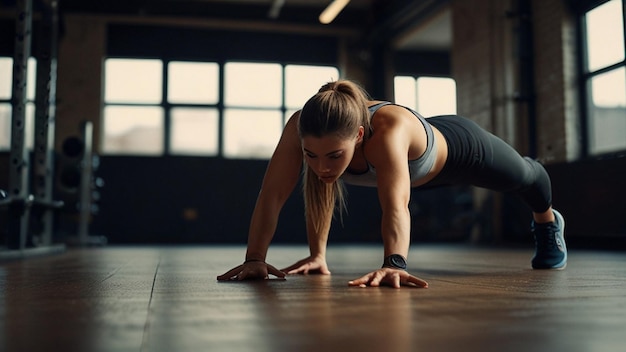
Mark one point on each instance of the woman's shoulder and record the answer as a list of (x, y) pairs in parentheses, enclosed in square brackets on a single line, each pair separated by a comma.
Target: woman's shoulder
[(290, 132), (292, 121), (391, 115)]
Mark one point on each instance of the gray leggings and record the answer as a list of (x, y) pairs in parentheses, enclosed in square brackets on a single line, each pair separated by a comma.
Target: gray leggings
[(478, 158)]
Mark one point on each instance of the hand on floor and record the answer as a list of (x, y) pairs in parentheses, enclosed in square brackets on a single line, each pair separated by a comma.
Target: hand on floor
[(251, 271), (389, 277), (309, 265)]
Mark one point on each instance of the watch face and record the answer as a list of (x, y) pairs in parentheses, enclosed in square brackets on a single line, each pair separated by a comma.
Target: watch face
[(397, 261)]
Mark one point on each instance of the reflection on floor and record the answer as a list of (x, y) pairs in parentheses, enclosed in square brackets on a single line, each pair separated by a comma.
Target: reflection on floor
[(167, 299)]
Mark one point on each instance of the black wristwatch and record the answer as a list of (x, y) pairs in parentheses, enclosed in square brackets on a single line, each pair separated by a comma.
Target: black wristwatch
[(395, 261)]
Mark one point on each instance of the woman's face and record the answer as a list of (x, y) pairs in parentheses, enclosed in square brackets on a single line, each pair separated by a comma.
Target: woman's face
[(329, 156)]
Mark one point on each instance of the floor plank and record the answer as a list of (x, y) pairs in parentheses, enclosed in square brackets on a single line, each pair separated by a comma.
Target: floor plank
[(167, 299)]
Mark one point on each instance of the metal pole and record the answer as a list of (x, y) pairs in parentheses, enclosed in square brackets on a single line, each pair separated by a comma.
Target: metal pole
[(18, 210), (85, 185), (45, 103)]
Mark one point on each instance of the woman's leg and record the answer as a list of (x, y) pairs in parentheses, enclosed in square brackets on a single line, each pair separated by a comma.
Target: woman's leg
[(544, 217), (479, 158)]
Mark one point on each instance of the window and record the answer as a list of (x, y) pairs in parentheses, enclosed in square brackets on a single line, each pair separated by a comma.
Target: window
[(430, 96), (6, 86), (194, 131), (133, 122), (302, 82), (193, 83), (133, 130), (252, 116), (145, 114), (605, 77)]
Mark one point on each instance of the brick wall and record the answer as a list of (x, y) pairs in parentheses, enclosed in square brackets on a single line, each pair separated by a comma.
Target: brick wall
[(471, 59), (486, 67), (79, 92), (555, 76)]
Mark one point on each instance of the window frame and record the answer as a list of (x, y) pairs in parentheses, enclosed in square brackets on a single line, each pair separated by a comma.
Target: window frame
[(415, 78), (220, 105), (29, 133), (586, 76)]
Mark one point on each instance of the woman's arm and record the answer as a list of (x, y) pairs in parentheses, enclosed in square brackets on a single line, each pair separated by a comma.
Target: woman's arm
[(387, 151), (280, 178)]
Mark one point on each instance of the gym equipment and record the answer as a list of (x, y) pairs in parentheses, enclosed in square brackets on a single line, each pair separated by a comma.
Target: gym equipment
[(77, 183), (19, 202)]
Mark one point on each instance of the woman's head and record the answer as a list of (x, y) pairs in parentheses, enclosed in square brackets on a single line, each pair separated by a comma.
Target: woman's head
[(339, 109), (332, 123)]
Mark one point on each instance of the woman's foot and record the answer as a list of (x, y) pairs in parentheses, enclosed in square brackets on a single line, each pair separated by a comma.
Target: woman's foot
[(550, 248)]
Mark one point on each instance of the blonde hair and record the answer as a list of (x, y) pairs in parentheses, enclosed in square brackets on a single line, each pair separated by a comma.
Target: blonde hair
[(338, 108)]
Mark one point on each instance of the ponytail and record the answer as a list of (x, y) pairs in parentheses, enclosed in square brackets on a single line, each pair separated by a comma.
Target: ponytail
[(321, 200), (338, 108)]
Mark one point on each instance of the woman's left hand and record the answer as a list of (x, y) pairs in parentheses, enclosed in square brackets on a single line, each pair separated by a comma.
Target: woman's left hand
[(389, 277), (308, 265)]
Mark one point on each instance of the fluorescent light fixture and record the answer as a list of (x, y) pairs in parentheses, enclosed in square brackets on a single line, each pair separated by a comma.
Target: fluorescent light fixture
[(333, 9), (275, 9)]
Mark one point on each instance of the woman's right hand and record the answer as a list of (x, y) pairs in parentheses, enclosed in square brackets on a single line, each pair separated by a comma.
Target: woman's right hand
[(253, 270)]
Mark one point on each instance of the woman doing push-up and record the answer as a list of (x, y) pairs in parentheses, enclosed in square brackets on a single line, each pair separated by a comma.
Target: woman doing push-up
[(341, 135)]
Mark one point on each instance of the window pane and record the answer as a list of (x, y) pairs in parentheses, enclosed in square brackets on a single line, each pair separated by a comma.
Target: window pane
[(194, 131), (29, 137), (605, 35), (133, 81), (404, 91), (253, 84), (607, 125), (436, 96), (133, 130), (6, 82), (302, 82), (5, 126), (31, 85), (193, 82), (251, 133)]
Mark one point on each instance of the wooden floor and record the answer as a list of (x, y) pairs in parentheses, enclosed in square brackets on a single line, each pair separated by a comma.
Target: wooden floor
[(167, 299)]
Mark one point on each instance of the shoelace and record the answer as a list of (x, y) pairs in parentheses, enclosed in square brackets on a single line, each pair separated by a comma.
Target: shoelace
[(545, 236)]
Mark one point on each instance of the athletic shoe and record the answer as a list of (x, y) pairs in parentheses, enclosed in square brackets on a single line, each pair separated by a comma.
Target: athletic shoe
[(550, 249)]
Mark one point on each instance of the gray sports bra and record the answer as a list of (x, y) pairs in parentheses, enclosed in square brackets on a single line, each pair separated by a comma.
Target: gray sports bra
[(418, 168)]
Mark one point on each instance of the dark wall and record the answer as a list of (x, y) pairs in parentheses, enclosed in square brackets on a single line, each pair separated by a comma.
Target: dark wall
[(176, 199), (592, 196), (207, 200), (219, 45), (203, 200), (210, 200), (427, 63), (145, 201)]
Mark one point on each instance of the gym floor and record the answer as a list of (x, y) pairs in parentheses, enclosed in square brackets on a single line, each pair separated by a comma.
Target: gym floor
[(167, 299)]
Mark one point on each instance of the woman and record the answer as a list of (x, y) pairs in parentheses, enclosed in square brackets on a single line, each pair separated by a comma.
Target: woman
[(342, 135)]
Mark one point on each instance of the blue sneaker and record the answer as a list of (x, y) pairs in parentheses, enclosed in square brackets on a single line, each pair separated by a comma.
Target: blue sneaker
[(550, 249)]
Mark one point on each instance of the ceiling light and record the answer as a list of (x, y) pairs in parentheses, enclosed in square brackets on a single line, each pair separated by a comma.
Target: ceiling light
[(333, 9), (275, 9)]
